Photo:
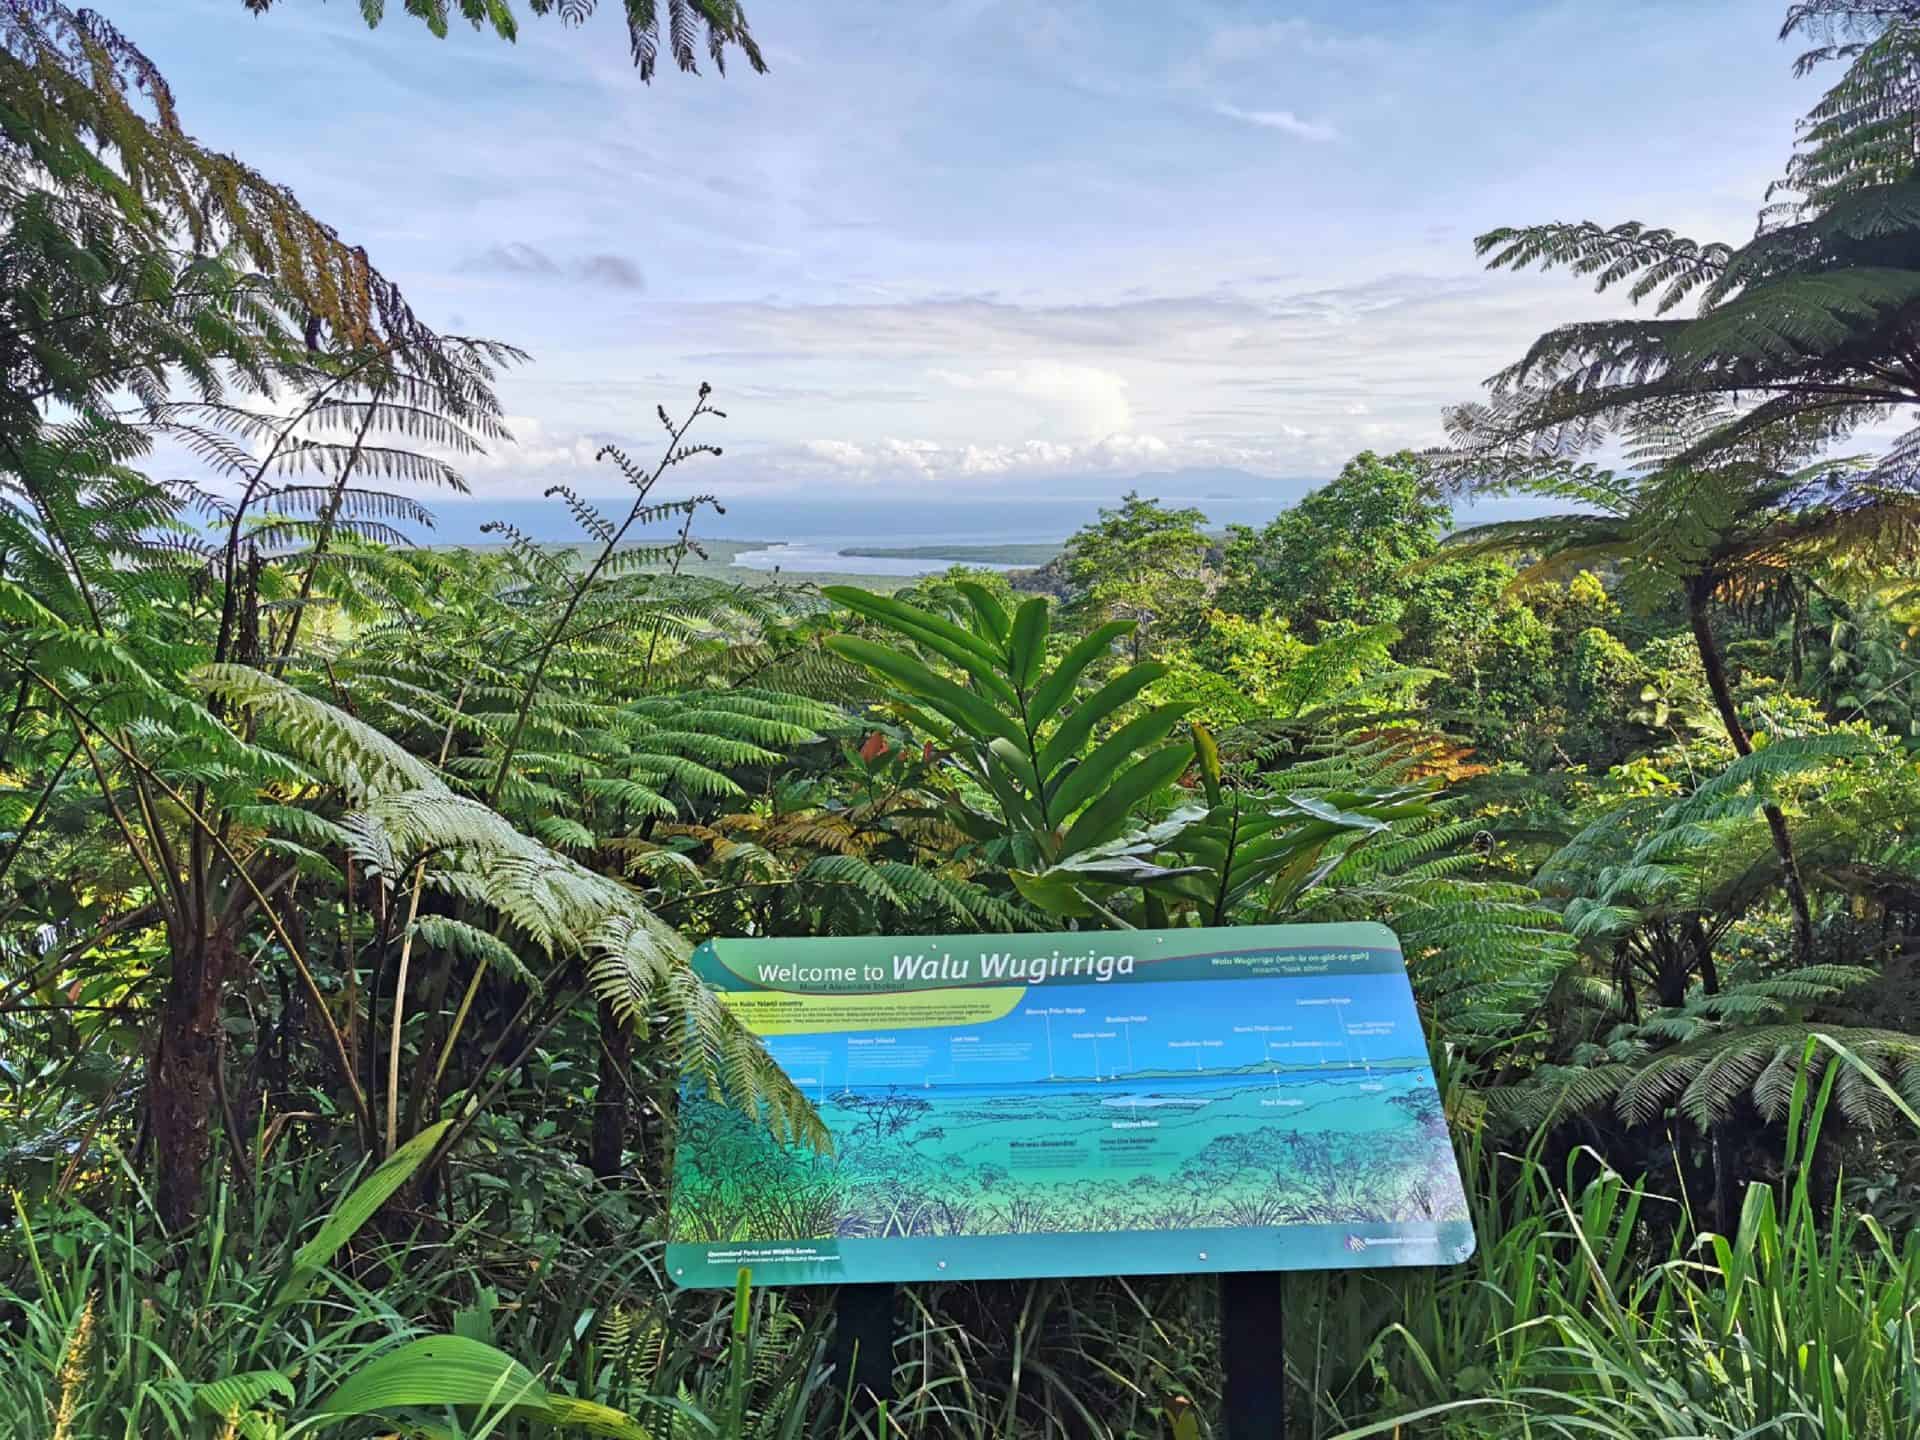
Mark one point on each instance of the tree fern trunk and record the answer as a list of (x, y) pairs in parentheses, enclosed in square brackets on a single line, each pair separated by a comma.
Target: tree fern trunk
[(420, 1096), (182, 1093), (613, 1099), (1721, 1140), (1703, 956), (1699, 590)]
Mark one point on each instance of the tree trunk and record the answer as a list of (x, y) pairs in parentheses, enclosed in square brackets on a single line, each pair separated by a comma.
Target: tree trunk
[(420, 1097), (1623, 980), (1667, 967), (614, 1096), (1699, 591), (1703, 956), (1721, 1136), (183, 1092)]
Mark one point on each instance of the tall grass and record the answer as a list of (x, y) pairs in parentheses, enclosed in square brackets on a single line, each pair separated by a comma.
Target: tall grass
[(1805, 1322), (162, 1320), (1593, 1310)]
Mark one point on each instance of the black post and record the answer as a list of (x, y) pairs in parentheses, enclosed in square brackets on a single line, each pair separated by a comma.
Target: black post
[(1253, 1357), (863, 1341)]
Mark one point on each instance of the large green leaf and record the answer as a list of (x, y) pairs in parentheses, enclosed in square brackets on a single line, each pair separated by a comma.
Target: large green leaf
[(1055, 690), (992, 615), (983, 659), (1065, 742), (1099, 767), (1027, 646), (455, 1370), (359, 1207), (233, 1398), (942, 730), (1329, 810), (899, 616), (1063, 889), (965, 709), (1103, 819), (1207, 750), (984, 671), (594, 1418), (1007, 771), (435, 1370), (1054, 891), (1286, 876)]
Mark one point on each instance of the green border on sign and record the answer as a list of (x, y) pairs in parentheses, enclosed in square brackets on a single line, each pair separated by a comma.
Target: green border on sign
[(1079, 1103)]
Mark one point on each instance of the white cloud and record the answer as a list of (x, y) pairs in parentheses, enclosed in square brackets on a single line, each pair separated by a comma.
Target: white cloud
[(1110, 452), (1281, 382), (886, 457), (927, 460), (1285, 120), (1074, 400), (840, 454), (535, 449), (1066, 262)]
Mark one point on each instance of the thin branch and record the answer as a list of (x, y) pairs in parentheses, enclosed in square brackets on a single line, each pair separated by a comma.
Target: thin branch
[(39, 809)]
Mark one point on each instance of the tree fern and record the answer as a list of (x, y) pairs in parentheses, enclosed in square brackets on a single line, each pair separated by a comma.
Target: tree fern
[(407, 819), (1652, 259), (347, 752), (1798, 336), (1483, 951), (77, 83), (1704, 1077), (715, 26)]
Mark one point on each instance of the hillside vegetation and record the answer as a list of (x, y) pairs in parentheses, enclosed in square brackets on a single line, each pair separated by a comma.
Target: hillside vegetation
[(347, 888)]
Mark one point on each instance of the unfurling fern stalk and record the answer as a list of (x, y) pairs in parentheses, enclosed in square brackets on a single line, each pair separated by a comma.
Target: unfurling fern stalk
[(642, 511)]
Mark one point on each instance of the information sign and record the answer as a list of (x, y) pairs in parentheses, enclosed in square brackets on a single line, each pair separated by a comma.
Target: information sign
[(1087, 1103)]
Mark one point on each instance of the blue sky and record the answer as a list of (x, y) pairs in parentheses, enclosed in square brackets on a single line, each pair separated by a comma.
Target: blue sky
[(984, 251)]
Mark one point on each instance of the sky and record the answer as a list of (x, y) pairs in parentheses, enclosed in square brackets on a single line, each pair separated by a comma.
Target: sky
[(974, 253)]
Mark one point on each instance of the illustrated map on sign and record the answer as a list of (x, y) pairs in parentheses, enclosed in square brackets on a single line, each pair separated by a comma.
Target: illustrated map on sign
[(1090, 1103)]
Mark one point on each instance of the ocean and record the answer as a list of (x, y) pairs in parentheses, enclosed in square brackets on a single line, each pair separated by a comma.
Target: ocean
[(858, 518), (807, 533)]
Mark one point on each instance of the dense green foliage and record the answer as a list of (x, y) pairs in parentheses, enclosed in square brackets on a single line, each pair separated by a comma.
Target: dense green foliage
[(346, 889)]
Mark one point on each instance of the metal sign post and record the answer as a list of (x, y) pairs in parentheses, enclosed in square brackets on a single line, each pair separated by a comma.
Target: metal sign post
[(862, 1350), (1253, 1357)]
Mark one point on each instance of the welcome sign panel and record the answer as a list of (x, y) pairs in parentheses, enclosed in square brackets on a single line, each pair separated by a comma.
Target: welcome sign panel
[(1088, 1103)]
